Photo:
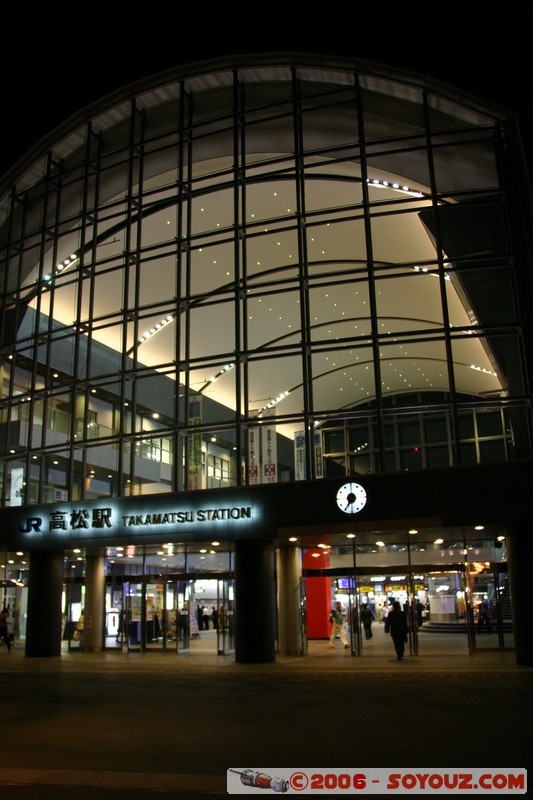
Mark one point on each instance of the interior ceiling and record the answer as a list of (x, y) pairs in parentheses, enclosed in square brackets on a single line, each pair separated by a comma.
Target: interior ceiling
[(342, 375)]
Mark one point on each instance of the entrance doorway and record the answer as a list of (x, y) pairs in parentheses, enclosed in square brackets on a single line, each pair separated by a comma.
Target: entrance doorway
[(491, 616), (72, 614), (442, 578), (435, 602), (182, 614)]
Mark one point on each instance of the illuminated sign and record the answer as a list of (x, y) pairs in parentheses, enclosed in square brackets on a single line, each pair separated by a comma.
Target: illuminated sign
[(103, 518), (181, 517), (191, 516)]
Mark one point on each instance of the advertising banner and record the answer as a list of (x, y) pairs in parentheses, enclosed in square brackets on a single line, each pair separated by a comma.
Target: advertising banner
[(269, 450)]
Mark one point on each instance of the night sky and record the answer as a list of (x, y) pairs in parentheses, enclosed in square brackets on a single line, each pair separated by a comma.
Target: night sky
[(57, 59)]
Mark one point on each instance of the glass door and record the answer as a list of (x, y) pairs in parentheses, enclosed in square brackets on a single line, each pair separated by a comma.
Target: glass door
[(73, 616), (491, 617), (184, 610), (303, 616), (225, 618), (438, 611), (133, 616), (114, 616), (155, 631), (353, 616)]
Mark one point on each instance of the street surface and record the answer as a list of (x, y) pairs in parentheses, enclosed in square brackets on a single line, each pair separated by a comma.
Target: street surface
[(122, 727)]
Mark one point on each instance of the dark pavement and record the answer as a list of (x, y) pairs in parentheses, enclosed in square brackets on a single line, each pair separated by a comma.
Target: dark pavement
[(111, 725)]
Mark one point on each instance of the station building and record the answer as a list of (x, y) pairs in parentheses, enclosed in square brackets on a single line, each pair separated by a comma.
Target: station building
[(266, 344)]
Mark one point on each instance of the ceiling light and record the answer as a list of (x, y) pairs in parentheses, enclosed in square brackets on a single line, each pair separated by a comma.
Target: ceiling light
[(482, 369), (380, 544), (439, 541)]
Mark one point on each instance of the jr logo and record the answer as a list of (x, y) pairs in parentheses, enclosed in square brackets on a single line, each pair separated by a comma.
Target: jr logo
[(32, 524)]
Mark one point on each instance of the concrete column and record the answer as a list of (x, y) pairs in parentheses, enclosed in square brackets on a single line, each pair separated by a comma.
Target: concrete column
[(43, 628), (289, 574), (254, 602), (520, 557), (93, 613)]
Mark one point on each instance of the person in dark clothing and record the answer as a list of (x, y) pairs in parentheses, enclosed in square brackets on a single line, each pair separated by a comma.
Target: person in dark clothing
[(4, 629), (367, 618), (483, 616), (397, 627)]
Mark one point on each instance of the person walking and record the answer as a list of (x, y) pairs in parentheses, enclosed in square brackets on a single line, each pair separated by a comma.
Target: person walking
[(367, 618), (483, 616), (4, 629), (397, 626), (337, 626)]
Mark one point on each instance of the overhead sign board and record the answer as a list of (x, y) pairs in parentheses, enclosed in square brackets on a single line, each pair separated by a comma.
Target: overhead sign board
[(188, 517)]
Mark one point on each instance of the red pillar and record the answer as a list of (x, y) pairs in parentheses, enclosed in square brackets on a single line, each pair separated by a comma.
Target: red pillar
[(318, 595)]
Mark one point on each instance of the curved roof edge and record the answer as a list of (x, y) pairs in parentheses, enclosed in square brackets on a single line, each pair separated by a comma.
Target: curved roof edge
[(193, 69)]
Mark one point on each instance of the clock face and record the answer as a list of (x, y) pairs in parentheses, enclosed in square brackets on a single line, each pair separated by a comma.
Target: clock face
[(351, 498)]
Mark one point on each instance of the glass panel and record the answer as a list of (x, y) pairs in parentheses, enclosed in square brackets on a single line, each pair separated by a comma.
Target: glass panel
[(337, 102), (438, 457), (465, 165), (421, 308), (155, 615), (225, 618), (133, 595), (474, 367), (489, 423), (55, 477), (339, 310), (101, 472), (269, 124), (276, 383), (414, 365), (436, 430), (492, 452), (343, 379), (389, 188), (73, 603), (212, 334), (409, 431), (339, 197), (183, 616), (334, 441), (114, 616), (390, 108)]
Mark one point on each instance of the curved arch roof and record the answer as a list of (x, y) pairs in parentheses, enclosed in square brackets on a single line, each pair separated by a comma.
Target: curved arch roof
[(410, 304), (215, 73)]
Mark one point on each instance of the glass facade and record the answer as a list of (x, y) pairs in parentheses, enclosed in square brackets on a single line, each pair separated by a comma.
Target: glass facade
[(268, 273)]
